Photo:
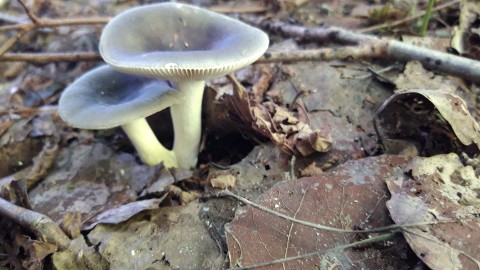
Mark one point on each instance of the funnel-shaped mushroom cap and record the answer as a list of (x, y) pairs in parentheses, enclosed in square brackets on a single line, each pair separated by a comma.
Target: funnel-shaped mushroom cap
[(179, 42), (105, 98)]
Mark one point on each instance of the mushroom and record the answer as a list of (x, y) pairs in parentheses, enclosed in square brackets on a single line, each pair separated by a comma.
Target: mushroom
[(185, 45), (105, 98)]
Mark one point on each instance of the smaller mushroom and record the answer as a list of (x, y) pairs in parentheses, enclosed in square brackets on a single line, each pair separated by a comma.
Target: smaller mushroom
[(104, 98)]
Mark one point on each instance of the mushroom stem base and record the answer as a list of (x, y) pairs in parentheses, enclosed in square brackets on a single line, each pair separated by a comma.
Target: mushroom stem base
[(151, 151), (187, 122)]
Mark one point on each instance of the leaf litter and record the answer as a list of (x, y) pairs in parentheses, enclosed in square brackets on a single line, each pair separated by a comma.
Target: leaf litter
[(437, 189)]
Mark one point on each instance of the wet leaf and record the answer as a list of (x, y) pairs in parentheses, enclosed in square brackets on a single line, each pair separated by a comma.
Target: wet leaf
[(350, 196), (438, 189)]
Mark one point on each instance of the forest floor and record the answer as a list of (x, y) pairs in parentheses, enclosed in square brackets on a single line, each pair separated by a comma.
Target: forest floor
[(352, 143)]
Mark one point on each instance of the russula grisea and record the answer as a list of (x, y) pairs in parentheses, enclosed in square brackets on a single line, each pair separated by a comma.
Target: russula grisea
[(185, 45), (105, 98)]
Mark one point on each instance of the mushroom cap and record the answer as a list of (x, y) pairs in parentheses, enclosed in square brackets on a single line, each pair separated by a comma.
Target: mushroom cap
[(105, 98), (178, 42)]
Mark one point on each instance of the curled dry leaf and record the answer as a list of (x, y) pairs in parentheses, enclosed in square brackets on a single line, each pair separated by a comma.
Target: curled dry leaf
[(124, 212), (436, 120), (350, 196), (439, 189), (291, 135)]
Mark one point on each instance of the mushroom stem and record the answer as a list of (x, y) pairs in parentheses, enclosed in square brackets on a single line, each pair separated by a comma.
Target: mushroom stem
[(151, 151), (187, 122)]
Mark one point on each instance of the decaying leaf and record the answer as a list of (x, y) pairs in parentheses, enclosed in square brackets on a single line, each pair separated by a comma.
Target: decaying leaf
[(291, 135), (439, 189), (71, 224), (90, 179), (438, 121), (36, 250), (352, 195), (469, 12)]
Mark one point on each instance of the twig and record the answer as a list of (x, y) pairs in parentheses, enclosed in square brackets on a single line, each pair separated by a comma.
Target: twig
[(410, 18), (444, 62), (379, 238), (30, 14), (42, 226), (42, 23), (41, 58), (322, 54)]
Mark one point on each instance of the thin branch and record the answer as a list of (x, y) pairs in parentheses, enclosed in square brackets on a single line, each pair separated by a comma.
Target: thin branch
[(42, 226), (407, 19), (30, 14), (43, 58), (11, 41), (397, 50), (379, 238), (322, 54)]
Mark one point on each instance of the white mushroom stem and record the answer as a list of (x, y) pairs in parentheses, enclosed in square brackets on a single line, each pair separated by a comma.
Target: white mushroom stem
[(187, 122), (151, 151)]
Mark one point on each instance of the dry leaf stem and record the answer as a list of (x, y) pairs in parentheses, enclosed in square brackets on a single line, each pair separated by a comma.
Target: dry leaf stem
[(375, 239)]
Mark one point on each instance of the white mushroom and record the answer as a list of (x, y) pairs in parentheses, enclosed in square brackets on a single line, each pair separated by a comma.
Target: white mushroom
[(186, 45)]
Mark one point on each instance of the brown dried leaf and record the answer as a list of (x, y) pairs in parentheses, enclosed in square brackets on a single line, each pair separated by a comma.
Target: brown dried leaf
[(36, 251), (276, 123), (440, 188), (71, 224), (350, 196), (222, 181), (311, 170)]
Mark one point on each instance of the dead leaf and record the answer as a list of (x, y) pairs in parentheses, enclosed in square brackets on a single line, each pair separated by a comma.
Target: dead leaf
[(462, 34), (164, 238), (438, 189), (352, 195), (125, 212), (90, 179), (437, 120), (35, 251), (71, 224), (276, 123), (311, 170), (222, 181), (416, 77)]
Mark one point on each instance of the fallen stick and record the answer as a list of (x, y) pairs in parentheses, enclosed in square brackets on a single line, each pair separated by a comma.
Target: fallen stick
[(387, 48), (42, 226)]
